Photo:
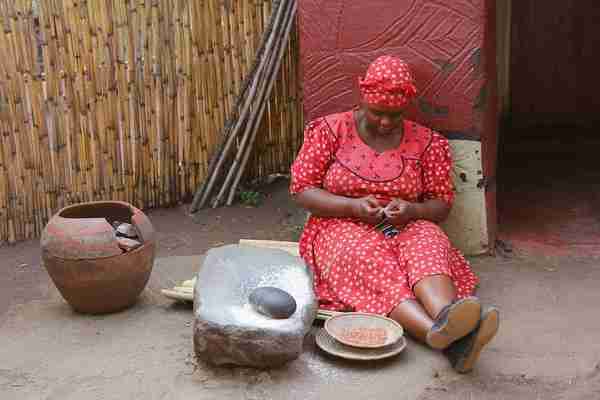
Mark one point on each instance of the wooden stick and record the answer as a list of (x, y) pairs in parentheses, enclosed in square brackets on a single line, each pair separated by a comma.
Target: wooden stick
[(289, 21), (261, 77), (204, 191)]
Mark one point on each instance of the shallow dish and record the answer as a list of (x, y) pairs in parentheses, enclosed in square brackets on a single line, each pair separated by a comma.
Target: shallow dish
[(330, 345), (364, 330)]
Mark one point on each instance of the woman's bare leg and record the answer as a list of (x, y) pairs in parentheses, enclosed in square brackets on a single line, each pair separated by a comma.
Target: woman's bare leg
[(423, 319), (435, 292), (413, 318)]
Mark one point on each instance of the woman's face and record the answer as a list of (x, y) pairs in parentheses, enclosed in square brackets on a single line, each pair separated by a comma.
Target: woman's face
[(382, 120)]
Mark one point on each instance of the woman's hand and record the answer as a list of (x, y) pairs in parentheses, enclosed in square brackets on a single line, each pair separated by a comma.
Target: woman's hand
[(367, 209), (400, 212)]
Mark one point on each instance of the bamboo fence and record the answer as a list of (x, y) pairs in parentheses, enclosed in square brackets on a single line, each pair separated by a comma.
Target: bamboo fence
[(126, 100)]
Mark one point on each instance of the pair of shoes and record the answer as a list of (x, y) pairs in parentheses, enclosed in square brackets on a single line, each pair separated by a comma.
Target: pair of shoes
[(455, 321), (464, 353)]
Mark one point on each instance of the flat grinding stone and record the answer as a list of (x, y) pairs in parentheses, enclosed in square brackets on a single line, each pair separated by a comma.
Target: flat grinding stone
[(228, 329)]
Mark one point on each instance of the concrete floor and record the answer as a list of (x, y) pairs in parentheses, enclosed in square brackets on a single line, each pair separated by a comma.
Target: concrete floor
[(547, 347)]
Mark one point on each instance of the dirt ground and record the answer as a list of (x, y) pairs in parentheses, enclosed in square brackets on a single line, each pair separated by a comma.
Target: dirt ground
[(547, 347)]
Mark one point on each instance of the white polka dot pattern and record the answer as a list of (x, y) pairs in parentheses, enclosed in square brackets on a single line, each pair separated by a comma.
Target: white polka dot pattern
[(355, 267)]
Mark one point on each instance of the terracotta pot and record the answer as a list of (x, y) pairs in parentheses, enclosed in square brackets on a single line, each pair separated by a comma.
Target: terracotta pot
[(82, 256)]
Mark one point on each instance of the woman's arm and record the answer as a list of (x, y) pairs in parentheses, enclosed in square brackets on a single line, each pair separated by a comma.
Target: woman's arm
[(431, 210), (400, 212), (321, 203)]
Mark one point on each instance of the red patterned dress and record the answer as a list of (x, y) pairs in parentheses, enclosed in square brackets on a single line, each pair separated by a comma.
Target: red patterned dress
[(357, 268)]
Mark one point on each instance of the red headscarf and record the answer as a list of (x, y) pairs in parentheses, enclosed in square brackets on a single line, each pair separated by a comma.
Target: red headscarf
[(388, 82)]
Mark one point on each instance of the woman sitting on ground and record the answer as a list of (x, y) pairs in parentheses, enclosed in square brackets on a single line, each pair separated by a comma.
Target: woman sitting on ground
[(376, 186)]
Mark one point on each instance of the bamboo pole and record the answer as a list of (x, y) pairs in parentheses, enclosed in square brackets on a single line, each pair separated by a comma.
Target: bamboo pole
[(199, 116)]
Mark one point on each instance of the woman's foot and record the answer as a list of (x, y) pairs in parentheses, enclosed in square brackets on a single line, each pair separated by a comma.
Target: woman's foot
[(464, 353), (454, 322)]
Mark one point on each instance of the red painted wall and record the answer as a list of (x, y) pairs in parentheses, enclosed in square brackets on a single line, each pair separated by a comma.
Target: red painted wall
[(444, 42)]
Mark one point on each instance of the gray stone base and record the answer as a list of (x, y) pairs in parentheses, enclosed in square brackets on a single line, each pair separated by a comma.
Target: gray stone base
[(227, 329)]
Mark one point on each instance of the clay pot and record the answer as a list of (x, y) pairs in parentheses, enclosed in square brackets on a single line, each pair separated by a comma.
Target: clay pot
[(82, 256)]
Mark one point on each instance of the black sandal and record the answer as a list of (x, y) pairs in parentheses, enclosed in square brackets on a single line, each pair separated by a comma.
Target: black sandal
[(455, 321), (464, 353)]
